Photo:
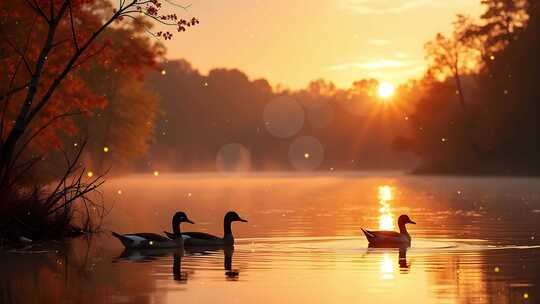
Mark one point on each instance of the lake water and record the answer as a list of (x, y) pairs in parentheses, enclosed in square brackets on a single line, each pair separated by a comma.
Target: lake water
[(476, 241)]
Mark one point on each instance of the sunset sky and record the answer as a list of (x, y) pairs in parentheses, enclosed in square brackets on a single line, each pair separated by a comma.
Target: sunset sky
[(291, 42)]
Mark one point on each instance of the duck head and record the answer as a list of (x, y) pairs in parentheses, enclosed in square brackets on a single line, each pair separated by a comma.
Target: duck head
[(180, 217), (232, 216), (404, 219)]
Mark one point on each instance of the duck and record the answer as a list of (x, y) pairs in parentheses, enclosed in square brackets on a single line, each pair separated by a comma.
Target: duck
[(391, 239), (198, 239), (146, 240)]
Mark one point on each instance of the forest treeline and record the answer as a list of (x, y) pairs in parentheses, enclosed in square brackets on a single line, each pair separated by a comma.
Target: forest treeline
[(331, 128), (217, 122), (473, 112)]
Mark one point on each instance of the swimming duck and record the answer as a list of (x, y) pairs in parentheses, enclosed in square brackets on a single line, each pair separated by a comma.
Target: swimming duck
[(204, 239), (391, 238), (152, 240)]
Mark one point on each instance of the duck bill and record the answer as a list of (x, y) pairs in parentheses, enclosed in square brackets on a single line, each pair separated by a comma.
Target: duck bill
[(189, 221), (242, 220), (412, 222)]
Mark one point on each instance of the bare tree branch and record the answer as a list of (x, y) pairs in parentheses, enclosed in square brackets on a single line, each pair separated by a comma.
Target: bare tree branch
[(37, 9), (73, 28), (41, 129)]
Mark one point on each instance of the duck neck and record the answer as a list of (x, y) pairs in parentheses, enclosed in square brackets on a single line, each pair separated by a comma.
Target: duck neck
[(403, 229), (176, 228), (228, 238), (227, 232)]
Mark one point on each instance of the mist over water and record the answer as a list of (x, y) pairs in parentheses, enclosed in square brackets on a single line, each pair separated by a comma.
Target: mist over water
[(476, 241)]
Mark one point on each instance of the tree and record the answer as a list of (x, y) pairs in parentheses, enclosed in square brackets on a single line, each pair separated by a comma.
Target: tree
[(501, 120), (454, 56), (61, 38), (500, 22), (45, 48), (122, 130)]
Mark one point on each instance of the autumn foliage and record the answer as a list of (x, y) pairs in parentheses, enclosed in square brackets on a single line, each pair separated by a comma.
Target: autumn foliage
[(53, 55)]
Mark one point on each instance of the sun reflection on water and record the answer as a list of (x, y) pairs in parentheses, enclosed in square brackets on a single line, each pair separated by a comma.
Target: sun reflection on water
[(387, 267), (386, 218)]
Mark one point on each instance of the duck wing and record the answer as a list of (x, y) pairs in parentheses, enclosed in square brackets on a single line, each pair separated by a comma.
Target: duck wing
[(170, 235), (138, 239), (384, 234), (148, 236), (200, 235)]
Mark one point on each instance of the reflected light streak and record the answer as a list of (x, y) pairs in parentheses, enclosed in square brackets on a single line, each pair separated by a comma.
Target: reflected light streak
[(387, 267), (386, 218)]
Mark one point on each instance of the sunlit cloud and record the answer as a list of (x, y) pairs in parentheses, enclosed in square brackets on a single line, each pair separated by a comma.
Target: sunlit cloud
[(402, 55), (376, 64), (386, 6), (379, 42), (395, 70), (396, 75)]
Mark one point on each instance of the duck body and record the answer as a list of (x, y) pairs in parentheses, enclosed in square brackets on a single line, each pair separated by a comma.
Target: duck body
[(146, 240), (199, 239), (202, 239), (391, 239)]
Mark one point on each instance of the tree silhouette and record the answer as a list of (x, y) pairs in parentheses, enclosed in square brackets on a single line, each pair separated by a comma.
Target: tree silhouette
[(453, 56), (501, 118)]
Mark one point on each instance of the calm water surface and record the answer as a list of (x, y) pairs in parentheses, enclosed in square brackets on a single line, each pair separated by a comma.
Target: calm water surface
[(476, 241)]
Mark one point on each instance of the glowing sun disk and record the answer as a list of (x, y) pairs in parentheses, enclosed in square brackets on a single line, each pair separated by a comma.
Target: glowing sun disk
[(385, 90)]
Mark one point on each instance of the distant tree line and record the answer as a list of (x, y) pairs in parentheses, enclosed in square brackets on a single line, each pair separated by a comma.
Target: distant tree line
[(201, 114), (473, 112)]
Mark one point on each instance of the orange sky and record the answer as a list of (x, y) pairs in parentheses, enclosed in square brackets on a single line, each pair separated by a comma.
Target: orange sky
[(291, 42)]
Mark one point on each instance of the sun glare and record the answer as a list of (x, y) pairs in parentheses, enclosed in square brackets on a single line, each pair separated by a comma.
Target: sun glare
[(385, 90)]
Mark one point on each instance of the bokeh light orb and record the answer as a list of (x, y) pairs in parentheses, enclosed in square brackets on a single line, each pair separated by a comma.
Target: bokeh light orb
[(283, 117), (306, 153), (233, 157)]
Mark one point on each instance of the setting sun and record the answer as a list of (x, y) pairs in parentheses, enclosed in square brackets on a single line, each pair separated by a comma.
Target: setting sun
[(385, 90)]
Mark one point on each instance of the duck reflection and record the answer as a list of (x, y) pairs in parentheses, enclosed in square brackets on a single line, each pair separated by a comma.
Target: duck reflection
[(228, 251), (230, 273), (147, 255), (403, 265), (179, 275)]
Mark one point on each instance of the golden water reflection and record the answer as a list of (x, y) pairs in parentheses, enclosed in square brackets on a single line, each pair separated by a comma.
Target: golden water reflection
[(302, 244), (387, 267), (386, 218)]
